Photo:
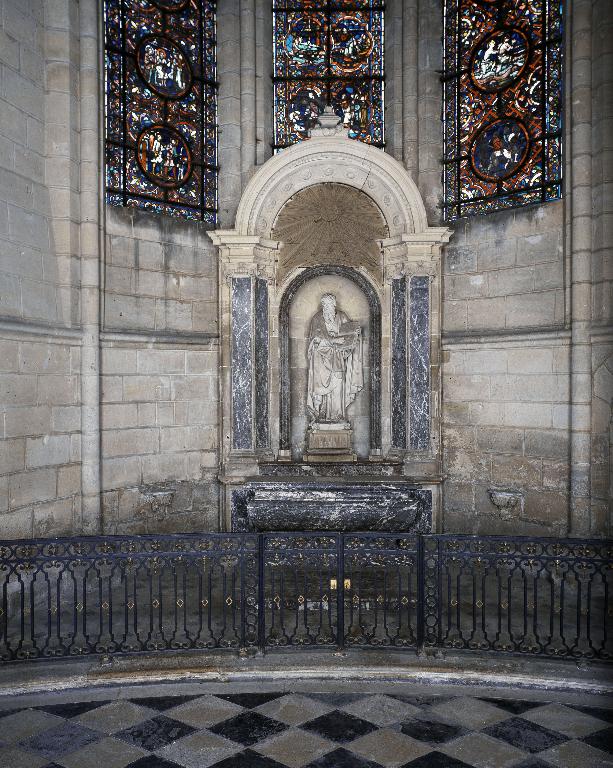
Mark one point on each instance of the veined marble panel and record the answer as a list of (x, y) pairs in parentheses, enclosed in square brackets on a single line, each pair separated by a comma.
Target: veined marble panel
[(419, 363), (399, 363), (298, 506), (261, 364), (242, 363)]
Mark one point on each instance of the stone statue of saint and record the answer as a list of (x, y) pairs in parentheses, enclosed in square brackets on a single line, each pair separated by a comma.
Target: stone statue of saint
[(335, 364)]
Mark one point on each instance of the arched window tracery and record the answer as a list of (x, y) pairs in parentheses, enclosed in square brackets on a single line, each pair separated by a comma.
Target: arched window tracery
[(161, 105), (503, 104), (328, 52)]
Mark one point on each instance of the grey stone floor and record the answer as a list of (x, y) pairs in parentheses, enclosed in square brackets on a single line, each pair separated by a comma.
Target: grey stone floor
[(305, 724)]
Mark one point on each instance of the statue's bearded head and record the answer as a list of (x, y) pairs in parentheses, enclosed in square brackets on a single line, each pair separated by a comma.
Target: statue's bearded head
[(328, 306)]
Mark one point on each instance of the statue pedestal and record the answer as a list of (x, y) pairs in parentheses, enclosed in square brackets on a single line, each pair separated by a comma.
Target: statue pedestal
[(328, 442)]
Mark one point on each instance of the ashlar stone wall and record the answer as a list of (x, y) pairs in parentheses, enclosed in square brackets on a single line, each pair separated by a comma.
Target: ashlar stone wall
[(109, 388), (40, 346), (526, 298)]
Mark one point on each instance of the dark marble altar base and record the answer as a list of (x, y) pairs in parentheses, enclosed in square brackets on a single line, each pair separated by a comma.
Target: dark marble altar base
[(312, 506), (331, 469)]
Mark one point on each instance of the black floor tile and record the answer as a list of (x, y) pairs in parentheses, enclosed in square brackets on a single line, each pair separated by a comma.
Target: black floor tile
[(153, 761), (339, 726), (431, 731), (336, 699), (161, 703), (424, 702), (436, 760), (601, 740), (600, 712), (342, 758), (248, 759), (249, 700), (7, 712), (525, 735), (60, 740), (248, 728), (71, 710), (515, 707), (155, 733)]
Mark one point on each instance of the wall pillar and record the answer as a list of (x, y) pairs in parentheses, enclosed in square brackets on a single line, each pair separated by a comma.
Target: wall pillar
[(580, 190), (248, 88), (92, 247)]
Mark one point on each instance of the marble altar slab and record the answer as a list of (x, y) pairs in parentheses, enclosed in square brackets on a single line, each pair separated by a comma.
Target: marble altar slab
[(305, 506)]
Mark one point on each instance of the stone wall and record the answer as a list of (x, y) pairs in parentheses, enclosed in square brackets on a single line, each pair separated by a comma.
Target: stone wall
[(527, 349), (40, 388), (506, 374), (159, 435), (518, 325), (159, 375), (160, 275), (40, 473), (601, 427), (505, 416)]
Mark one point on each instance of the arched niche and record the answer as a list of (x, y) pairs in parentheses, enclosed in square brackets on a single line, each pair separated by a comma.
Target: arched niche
[(374, 305), (252, 265)]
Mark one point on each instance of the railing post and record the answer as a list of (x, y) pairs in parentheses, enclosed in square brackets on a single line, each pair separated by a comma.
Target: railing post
[(421, 594), (243, 645), (261, 594), (340, 592)]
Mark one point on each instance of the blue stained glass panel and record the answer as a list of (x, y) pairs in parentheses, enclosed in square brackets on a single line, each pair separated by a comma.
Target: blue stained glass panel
[(328, 52), (161, 106), (503, 104)]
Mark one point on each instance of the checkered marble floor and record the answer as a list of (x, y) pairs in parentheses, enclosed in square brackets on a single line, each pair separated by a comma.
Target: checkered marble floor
[(310, 730)]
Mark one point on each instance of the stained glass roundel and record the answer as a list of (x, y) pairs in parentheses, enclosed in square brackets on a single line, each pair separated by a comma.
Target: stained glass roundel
[(170, 5), (305, 43), (499, 59), (164, 156), (499, 149), (352, 43), (164, 67)]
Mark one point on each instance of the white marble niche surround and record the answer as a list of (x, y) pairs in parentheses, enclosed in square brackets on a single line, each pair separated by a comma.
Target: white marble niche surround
[(248, 267)]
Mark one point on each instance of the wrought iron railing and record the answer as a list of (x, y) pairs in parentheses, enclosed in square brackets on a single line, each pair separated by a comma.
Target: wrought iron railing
[(109, 595)]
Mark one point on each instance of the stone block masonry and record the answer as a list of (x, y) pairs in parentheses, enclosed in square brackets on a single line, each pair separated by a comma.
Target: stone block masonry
[(160, 275), (159, 435), (40, 437), (526, 294), (505, 426)]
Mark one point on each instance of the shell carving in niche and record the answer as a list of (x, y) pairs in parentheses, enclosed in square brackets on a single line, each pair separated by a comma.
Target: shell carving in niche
[(330, 224)]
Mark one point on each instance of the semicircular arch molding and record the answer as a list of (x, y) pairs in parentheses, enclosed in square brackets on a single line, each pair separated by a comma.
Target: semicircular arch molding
[(342, 161)]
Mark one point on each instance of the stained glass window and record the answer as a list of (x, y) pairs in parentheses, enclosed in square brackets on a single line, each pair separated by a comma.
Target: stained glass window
[(328, 52), (161, 95), (503, 104)]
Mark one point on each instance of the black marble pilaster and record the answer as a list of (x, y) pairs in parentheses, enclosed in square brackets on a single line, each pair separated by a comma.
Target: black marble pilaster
[(261, 364), (399, 363), (419, 363), (242, 363)]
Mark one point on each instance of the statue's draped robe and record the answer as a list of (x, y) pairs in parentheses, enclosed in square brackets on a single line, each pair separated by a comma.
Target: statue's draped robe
[(335, 369)]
